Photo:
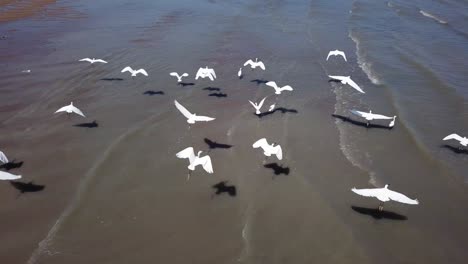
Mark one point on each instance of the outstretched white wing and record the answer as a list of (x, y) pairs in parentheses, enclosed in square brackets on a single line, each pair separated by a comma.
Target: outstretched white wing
[(174, 74), (76, 110), (206, 163), (3, 157), (86, 59), (367, 192), (8, 176), (395, 196), (63, 109), (128, 68), (203, 118), (354, 85), (261, 143), (186, 154), (254, 105), (183, 110), (377, 116), (337, 77), (249, 62), (99, 60), (261, 65), (286, 88), (453, 136), (199, 74), (343, 55), (278, 152), (359, 113), (185, 74), (142, 71), (211, 72), (272, 84), (261, 103)]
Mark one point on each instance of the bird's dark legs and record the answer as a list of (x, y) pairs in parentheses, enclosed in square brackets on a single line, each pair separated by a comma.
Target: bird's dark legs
[(368, 123)]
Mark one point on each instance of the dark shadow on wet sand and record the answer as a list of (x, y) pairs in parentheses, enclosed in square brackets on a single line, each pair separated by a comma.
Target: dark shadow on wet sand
[(218, 95), (359, 123), (376, 214), (277, 169), (24, 187), (112, 79), (151, 93), (211, 89), (221, 188), (279, 109), (11, 165), (93, 124), (214, 145), (259, 81), (456, 150), (183, 84)]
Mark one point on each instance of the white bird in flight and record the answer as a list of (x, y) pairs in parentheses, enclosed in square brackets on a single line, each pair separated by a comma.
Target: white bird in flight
[(93, 60), (337, 53), (384, 195), (3, 157), (205, 73), (70, 109), (347, 80), (26, 71), (134, 72), (278, 90), (462, 140), (370, 116), (257, 106), (179, 77), (239, 73), (189, 154), (269, 150), (6, 176), (255, 64), (191, 118)]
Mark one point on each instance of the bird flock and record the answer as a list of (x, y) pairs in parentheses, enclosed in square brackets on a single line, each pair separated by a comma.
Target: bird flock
[(383, 194)]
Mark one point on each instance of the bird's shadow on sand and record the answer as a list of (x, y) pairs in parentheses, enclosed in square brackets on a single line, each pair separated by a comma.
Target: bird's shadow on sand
[(259, 81), (222, 187), (183, 84), (334, 81), (376, 214), (11, 165), (455, 149), (212, 89), (277, 169), (93, 124), (112, 79), (359, 123), (151, 93), (218, 95), (278, 109), (215, 145), (25, 187)]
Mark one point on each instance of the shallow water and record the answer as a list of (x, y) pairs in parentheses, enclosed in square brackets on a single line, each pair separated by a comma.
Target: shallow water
[(116, 193)]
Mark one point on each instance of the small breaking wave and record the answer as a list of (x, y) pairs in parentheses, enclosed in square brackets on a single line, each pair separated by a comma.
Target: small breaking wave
[(426, 14), (366, 66)]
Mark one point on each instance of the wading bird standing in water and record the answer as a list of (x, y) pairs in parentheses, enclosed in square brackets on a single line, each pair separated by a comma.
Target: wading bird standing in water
[(70, 109), (370, 116), (189, 154), (384, 195), (239, 73)]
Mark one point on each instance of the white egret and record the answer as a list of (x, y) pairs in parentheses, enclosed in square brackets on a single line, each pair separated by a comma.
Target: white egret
[(93, 60), (70, 109), (384, 195), (3, 157), (179, 77), (8, 176), (347, 80), (370, 116), (134, 72), (26, 71), (269, 150), (462, 140), (278, 90), (337, 53), (257, 106), (255, 64), (239, 73), (272, 107), (194, 161), (205, 73), (191, 118)]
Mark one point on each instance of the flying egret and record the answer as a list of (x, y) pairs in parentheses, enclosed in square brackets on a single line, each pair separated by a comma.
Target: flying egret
[(3, 157), (70, 109), (134, 72), (257, 106), (337, 53), (179, 77), (205, 73), (93, 60), (462, 140), (384, 195), (194, 161), (347, 80), (272, 107), (191, 118), (255, 64), (278, 90), (269, 150), (8, 176), (239, 73), (370, 116)]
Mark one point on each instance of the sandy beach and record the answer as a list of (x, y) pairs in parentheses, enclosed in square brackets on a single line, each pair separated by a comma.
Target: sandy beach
[(108, 188)]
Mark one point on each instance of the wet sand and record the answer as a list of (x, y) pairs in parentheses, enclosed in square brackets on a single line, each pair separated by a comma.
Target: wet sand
[(115, 193)]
